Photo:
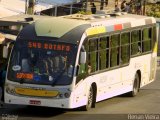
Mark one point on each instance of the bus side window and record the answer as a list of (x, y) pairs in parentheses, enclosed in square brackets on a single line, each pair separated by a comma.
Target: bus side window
[(125, 47), (114, 51), (146, 40), (103, 52), (154, 38), (92, 54), (136, 46)]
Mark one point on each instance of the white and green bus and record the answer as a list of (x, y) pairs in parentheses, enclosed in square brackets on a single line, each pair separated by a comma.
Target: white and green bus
[(78, 60)]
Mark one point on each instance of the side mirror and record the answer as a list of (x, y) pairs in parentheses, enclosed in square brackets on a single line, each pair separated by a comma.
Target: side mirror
[(83, 57), (5, 51)]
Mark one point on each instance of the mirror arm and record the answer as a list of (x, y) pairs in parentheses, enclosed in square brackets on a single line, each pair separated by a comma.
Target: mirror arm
[(5, 52)]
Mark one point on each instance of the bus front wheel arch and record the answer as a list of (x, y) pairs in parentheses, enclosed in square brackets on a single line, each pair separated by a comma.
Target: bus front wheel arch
[(136, 85), (91, 97), (139, 74)]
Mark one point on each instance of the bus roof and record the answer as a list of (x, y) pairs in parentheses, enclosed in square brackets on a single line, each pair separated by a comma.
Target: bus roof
[(56, 27), (64, 28)]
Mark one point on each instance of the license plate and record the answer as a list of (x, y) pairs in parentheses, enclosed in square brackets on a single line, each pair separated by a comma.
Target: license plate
[(34, 102), (33, 92)]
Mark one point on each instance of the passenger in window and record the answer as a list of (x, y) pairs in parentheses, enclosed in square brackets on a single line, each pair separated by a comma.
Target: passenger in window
[(121, 58), (89, 68), (63, 62), (56, 63), (139, 48), (41, 67), (25, 65), (44, 67), (50, 62), (26, 62)]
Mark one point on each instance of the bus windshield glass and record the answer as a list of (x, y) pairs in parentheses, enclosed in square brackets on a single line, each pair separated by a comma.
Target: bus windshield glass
[(48, 63)]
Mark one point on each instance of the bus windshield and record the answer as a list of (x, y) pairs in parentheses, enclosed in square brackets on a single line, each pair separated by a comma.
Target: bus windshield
[(48, 63)]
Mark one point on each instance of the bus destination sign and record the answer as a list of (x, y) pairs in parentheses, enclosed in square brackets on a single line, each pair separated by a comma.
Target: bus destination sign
[(49, 46)]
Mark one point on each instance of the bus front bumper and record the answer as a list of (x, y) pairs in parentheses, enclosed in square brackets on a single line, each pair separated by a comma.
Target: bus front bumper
[(48, 102), (68, 103)]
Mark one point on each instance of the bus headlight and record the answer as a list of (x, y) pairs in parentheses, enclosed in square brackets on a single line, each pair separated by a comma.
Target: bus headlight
[(60, 95), (10, 89), (67, 95), (64, 95)]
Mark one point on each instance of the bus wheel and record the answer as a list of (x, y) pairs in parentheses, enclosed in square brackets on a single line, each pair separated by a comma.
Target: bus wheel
[(90, 103), (135, 86)]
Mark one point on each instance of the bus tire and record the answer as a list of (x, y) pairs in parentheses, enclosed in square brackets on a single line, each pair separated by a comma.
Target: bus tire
[(135, 86), (90, 102)]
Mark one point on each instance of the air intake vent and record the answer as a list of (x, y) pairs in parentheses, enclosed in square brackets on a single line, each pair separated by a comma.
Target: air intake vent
[(101, 16), (79, 17), (110, 13)]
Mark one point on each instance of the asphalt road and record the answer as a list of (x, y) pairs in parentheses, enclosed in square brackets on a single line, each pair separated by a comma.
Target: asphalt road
[(145, 106)]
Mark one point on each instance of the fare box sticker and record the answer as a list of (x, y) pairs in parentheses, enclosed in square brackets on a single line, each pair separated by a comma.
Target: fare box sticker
[(24, 76), (49, 46)]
